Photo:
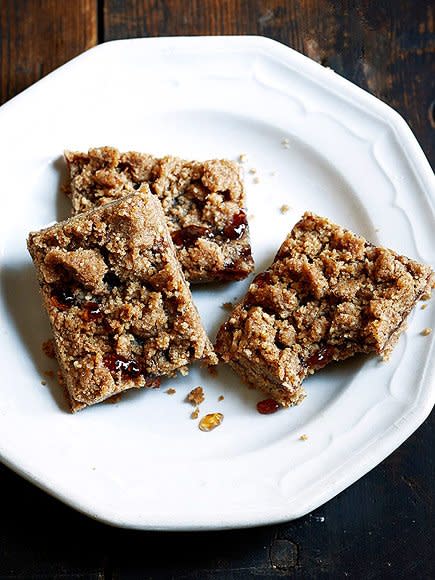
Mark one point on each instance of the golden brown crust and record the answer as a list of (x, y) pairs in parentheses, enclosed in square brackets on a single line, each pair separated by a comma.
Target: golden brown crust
[(328, 295), (121, 311), (203, 204)]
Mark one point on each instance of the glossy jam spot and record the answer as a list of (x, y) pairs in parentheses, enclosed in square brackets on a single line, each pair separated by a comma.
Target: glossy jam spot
[(91, 311), (268, 406), (62, 298), (236, 228), (128, 367), (320, 359), (187, 236)]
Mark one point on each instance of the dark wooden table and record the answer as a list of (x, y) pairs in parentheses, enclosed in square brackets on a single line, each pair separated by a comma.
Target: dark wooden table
[(382, 526)]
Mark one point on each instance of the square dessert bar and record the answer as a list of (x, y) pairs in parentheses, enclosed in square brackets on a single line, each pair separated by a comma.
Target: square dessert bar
[(121, 311), (203, 203), (328, 295)]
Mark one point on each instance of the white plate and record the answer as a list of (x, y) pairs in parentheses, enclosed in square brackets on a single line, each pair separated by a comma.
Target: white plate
[(143, 463)]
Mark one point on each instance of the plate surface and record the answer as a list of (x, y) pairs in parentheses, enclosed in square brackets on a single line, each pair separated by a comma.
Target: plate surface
[(142, 462)]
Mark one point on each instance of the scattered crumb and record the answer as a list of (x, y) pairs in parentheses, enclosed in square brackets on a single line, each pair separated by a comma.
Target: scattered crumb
[(285, 143), (423, 306), (303, 437), (195, 413), (49, 374), (221, 398), (251, 216), (377, 229), (210, 421), (213, 371), (426, 331), (252, 170), (43, 383), (93, 468), (170, 391), (243, 158), (256, 180), (48, 348), (227, 306), (284, 208), (196, 396), (272, 173)]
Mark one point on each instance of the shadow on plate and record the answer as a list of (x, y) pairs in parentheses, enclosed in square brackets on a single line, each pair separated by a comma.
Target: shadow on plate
[(23, 303), (63, 204)]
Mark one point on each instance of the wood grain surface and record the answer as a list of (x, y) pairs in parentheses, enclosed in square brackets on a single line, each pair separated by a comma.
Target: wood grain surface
[(383, 525)]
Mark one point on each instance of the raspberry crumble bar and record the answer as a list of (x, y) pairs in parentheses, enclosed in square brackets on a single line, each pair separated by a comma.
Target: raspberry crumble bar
[(121, 311), (203, 203), (328, 295)]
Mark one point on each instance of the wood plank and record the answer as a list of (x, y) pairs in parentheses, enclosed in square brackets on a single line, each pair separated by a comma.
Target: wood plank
[(36, 36)]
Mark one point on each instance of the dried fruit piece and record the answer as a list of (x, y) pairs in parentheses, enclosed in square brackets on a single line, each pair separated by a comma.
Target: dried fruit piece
[(267, 407), (210, 421)]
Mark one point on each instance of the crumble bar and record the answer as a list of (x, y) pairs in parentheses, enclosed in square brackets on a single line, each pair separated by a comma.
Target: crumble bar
[(203, 203), (328, 295), (121, 311)]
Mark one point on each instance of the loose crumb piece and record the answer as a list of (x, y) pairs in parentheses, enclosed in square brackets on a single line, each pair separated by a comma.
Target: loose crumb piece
[(221, 398), (284, 208), (243, 158), (426, 331), (285, 143), (227, 305), (48, 348), (43, 383), (256, 180), (170, 391), (303, 437), (252, 170), (423, 306), (49, 374), (272, 173), (210, 421), (195, 413), (196, 396)]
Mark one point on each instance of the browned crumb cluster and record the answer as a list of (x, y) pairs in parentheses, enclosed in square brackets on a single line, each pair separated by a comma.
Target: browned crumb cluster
[(196, 396), (328, 295), (221, 398), (170, 391), (121, 312), (426, 331), (304, 437), (203, 204)]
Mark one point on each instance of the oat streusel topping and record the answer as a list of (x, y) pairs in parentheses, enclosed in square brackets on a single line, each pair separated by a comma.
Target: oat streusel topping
[(328, 295)]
